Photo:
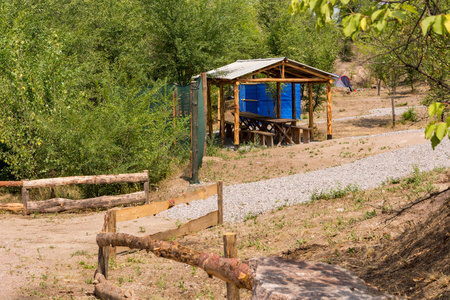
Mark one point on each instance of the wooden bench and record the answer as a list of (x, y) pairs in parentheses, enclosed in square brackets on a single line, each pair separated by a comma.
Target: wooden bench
[(229, 129), (262, 134), (295, 131)]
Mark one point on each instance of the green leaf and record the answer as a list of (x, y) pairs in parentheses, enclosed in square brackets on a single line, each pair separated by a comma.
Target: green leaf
[(350, 27), (345, 2), (441, 131), (448, 121), (447, 23), (429, 130), (381, 24), (409, 8), (398, 14), (434, 141), (436, 108), (426, 23), (377, 14), (438, 25)]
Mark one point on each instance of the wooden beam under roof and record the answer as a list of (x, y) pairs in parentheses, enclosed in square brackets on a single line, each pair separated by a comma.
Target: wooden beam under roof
[(307, 70), (284, 80)]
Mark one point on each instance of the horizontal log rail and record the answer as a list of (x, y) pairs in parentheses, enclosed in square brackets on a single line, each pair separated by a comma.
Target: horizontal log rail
[(95, 179), (10, 183), (62, 204), (228, 269)]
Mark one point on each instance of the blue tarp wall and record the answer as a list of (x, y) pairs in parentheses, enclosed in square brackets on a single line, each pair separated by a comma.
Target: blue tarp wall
[(264, 104)]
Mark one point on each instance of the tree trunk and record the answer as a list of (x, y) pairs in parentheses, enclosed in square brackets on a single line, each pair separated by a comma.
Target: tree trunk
[(62, 204), (228, 269)]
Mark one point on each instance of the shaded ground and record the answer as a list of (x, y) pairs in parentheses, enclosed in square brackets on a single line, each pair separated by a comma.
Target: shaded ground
[(54, 256)]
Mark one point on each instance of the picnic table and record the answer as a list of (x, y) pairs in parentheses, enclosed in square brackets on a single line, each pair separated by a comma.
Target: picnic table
[(279, 126)]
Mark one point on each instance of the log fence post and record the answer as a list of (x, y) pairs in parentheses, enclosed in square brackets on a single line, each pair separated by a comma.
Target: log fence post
[(147, 188), (230, 251), (220, 202), (103, 260), (111, 226), (25, 199)]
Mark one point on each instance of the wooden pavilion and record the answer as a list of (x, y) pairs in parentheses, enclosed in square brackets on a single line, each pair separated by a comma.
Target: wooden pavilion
[(277, 70)]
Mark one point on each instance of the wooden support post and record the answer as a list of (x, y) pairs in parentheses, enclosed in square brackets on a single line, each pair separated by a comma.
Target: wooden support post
[(103, 260), (236, 114), (205, 104), (294, 104), (111, 226), (220, 202), (194, 132), (147, 188), (230, 251), (311, 113), (329, 120), (25, 199), (209, 107), (222, 113), (278, 115)]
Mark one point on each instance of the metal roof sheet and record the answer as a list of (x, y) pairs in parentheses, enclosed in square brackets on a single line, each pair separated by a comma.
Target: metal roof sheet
[(241, 68)]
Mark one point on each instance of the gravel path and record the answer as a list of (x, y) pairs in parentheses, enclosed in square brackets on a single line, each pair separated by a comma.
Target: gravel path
[(262, 196), (379, 112)]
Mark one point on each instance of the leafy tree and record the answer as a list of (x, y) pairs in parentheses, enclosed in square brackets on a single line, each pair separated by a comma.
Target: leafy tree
[(189, 37), (416, 33)]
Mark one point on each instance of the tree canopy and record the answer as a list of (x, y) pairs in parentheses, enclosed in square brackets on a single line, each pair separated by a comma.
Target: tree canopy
[(410, 34)]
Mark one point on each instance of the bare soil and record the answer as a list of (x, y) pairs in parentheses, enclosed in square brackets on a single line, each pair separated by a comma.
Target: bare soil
[(54, 255)]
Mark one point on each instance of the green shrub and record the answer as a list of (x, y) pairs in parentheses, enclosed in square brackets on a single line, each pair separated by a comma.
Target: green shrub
[(409, 115)]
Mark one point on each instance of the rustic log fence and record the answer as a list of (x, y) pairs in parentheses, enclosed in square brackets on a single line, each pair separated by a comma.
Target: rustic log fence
[(227, 268), (63, 204), (231, 270)]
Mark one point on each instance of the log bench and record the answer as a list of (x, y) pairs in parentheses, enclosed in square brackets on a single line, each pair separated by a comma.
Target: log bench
[(264, 135), (295, 131)]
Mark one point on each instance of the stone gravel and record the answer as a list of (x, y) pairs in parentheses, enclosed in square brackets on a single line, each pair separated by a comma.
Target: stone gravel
[(244, 199)]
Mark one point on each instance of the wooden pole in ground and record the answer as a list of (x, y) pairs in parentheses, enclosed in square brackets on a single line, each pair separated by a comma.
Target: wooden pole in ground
[(329, 119), (311, 113), (147, 188), (294, 104), (25, 199), (278, 115), (103, 260), (230, 251), (220, 202), (205, 104), (236, 114), (222, 113), (209, 107), (194, 132), (111, 226)]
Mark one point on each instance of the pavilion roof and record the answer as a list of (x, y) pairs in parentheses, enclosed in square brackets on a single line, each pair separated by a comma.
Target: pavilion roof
[(271, 66)]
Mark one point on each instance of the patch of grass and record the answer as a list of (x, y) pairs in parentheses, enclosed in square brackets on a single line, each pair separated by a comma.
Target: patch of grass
[(334, 193), (409, 115)]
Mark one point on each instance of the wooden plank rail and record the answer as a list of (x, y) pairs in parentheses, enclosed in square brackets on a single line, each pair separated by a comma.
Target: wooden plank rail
[(212, 219), (201, 223)]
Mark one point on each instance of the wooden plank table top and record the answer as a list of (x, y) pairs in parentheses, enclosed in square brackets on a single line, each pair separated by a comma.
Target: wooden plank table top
[(269, 124)]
